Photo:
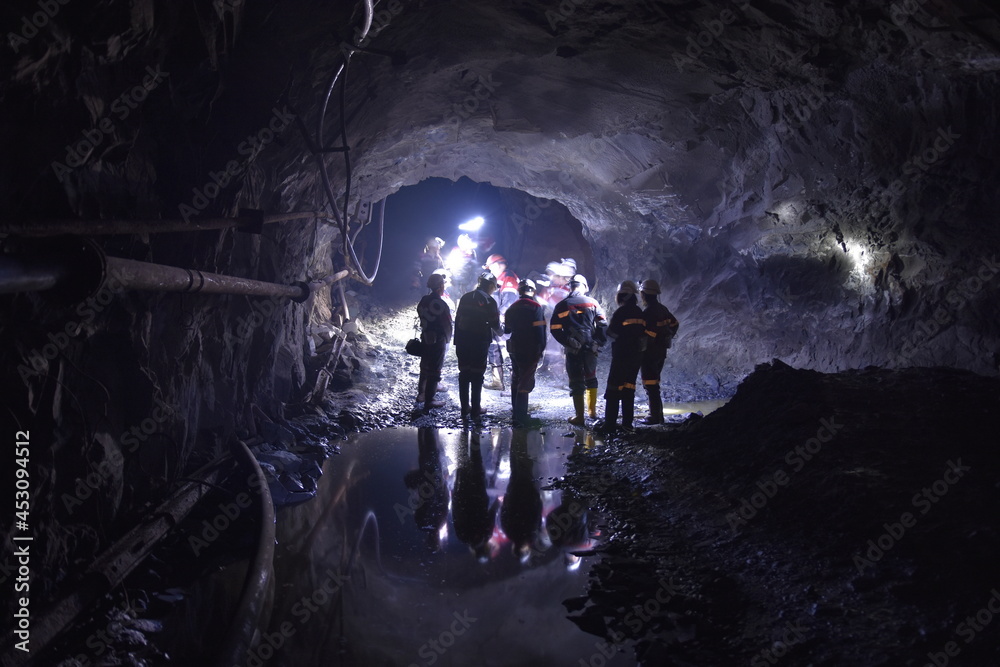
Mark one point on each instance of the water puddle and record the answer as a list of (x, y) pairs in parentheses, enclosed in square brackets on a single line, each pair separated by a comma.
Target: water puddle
[(430, 546)]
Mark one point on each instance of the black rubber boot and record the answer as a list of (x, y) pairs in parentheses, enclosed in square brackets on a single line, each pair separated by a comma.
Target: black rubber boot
[(655, 406), (463, 395), (520, 409), (476, 408), (610, 423), (628, 409), (577, 420)]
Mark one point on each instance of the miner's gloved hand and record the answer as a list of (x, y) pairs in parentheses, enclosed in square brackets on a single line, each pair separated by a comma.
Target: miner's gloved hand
[(595, 348)]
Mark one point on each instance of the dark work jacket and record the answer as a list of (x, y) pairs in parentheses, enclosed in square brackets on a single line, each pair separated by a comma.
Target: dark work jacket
[(578, 321), (627, 331), (661, 326), (435, 320), (477, 318), (525, 322)]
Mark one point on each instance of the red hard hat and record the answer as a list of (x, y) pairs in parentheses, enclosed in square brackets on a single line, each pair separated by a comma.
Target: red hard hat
[(493, 259)]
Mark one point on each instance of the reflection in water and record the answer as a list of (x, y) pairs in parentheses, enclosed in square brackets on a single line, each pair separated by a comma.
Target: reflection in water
[(521, 513), (472, 512), (430, 487), (434, 547)]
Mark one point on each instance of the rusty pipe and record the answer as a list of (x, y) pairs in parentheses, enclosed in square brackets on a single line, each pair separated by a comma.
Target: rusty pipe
[(316, 285), (250, 221), (136, 275), (79, 268)]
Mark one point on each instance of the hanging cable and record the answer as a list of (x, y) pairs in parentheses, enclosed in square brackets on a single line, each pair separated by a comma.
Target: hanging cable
[(378, 258), (320, 149)]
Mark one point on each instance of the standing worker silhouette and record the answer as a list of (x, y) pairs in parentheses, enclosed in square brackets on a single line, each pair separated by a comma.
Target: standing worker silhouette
[(579, 325), (477, 322), (661, 327), (525, 322)]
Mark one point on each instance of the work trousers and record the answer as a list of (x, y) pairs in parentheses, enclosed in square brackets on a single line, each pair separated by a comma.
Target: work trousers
[(652, 366), (581, 367), (623, 372), (471, 354), (522, 376), (431, 362)]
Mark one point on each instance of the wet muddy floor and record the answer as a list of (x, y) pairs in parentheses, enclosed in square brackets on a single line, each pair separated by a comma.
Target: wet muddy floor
[(812, 519), (440, 539), (427, 546)]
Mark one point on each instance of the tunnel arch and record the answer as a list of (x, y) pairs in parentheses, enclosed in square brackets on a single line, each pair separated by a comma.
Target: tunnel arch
[(528, 231)]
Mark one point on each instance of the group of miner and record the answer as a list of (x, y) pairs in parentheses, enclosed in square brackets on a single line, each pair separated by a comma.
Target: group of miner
[(525, 313)]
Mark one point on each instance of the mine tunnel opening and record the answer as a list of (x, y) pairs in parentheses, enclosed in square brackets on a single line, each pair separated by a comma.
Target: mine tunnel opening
[(528, 232)]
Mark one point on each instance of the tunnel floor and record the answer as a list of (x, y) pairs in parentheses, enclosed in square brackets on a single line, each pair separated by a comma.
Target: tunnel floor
[(811, 519), (815, 519)]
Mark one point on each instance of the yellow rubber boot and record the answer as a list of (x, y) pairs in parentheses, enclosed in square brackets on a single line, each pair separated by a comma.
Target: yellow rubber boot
[(592, 402)]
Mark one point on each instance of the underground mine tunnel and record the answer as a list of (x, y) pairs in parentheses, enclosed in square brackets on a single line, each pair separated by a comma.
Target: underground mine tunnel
[(212, 221)]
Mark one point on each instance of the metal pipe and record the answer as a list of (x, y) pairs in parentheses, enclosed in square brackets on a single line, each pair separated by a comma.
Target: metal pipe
[(81, 269), (104, 227), (343, 302), (260, 571), (29, 274), (132, 274), (316, 285)]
